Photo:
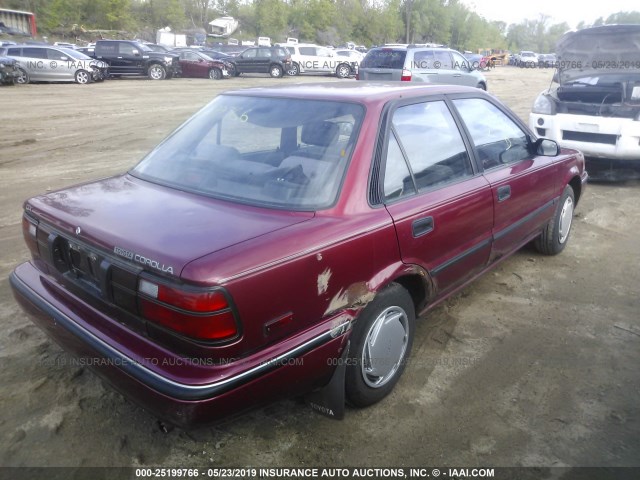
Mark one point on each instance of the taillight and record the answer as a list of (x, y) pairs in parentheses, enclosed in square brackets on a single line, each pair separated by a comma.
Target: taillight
[(406, 75), (30, 233), (199, 314)]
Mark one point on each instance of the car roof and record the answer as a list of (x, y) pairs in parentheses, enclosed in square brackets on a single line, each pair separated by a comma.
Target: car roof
[(360, 92)]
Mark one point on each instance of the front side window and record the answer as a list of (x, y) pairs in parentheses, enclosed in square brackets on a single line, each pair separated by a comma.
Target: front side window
[(273, 152), (498, 139), (431, 144)]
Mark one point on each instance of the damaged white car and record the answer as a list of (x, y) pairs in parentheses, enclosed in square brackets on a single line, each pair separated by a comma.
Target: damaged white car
[(595, 104)]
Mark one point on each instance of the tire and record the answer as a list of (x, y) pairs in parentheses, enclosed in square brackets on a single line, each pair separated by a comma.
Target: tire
[(215, 74), (83, 77), (380, 344), (555, 235), (294, 71), (23, 79), (482, 86), (343, 71), (275, 71), (157, 72)]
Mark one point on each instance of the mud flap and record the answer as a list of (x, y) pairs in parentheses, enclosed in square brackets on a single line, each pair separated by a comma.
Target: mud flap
[(330, 400)]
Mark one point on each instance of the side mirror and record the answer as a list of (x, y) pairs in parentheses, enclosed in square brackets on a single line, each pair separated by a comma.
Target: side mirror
[(136, 51), (200, 60), (546, 147), (64, 59)]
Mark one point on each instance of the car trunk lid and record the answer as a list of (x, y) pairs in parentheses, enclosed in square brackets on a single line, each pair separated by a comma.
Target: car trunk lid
[(153, 227)]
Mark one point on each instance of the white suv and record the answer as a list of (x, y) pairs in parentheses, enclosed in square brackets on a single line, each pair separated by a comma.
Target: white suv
[(309, 58)]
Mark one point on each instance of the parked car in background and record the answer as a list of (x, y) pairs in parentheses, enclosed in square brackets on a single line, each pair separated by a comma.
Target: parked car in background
[(197, 64), (287, 240), (415, 63), (594, 106), (547, 60), (354, 57), (477, 61), (275, 61), (129, 58), (39, 63), (309, 58), (9, 70), (528, 59)]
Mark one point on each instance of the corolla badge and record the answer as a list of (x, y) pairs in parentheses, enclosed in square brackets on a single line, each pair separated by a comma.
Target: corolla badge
[(136, 257)]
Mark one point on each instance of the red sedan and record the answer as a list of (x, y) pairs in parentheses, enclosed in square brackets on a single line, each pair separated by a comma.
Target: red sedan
[(198, 65), (286, 240)]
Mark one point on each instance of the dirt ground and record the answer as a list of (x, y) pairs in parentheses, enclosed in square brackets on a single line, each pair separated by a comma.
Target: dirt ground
[(535, 364)]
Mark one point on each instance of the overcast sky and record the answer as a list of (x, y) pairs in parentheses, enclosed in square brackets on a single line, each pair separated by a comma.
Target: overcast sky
[(570, 11)]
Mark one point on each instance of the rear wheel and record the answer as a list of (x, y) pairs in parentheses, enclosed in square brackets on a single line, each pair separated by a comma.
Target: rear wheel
[(23, 78), (83, 77), (215, 74), (294, 70), (381, 342), (157, 72), (275, 71), (343, 71), (555, 235)]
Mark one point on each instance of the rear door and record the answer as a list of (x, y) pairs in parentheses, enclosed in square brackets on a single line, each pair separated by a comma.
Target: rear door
[(441, 205), (188, 62), (522, 183), (263, 60), (34, 61)]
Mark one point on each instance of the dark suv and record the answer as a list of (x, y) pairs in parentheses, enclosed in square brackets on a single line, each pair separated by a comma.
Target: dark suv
[(126, 57), (275, 61)]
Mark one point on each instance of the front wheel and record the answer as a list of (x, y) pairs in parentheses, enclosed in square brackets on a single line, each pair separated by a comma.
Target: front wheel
[(555, 235), (343, 71), (83, 77), (157, 72), (275, 71), (381, 342), (215, 74), (23, 78)]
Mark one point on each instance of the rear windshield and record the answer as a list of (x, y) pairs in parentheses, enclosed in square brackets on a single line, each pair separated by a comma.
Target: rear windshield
[(284, 153), (384, 58)]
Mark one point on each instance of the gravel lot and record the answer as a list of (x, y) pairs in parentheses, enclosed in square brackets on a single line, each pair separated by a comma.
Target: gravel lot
[(535, 364)]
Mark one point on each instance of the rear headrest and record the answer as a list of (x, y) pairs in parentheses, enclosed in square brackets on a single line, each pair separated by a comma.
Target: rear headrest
[(319, 133)]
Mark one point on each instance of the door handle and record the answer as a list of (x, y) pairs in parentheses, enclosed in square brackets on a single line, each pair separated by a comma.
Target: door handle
[(504, 192), (422, 226), (457, 74)]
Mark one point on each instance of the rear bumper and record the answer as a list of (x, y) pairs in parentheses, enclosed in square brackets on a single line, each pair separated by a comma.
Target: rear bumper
[(204, 393)]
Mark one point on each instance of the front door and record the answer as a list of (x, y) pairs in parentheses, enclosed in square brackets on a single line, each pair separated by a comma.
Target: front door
[(522, 183)]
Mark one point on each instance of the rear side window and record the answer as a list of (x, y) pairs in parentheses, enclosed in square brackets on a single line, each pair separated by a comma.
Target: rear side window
[(498, 139), (432, 147), (34, 52), (384, 58), (14, 52)]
